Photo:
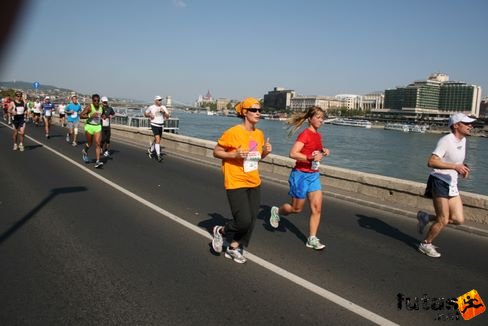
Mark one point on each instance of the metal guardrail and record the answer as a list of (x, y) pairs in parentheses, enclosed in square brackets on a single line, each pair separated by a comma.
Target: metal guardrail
[(170, 125)]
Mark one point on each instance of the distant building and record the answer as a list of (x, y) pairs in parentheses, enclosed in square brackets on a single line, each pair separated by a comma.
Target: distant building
[(484, 108), (435, 98), (373, 101), (300, 103), (279, 98), (204, 98), (351, 101), (169, 102), (222, 104)]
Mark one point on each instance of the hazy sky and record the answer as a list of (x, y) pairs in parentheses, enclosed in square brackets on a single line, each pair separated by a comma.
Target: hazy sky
[(236, 49)]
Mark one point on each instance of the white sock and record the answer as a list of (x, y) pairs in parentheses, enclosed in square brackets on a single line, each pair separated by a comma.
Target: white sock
[(152, 147), (158, 149)]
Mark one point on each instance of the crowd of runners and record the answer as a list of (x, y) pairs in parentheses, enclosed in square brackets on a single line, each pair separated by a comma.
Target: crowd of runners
[(240, 148), (21, 110)]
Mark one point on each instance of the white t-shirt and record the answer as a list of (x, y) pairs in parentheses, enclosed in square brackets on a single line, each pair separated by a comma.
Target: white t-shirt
[(450, 150), (37, 107), (61, 108), (157, 112)]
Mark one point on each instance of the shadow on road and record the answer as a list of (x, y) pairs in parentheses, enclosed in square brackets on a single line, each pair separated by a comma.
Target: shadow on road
[(215, 219), (20, 223), (31, 147), (379, 226)]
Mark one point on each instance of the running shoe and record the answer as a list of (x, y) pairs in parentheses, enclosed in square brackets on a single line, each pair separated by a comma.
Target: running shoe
[(217, 240), (429, 249), (423, 219), (314, 243), (67, 138), (15, 147), (84, 155), (21, 147), (274, 219), (98, 164), (149, 152), (160, 158), (74, 144), (47, 136), (235, 254)]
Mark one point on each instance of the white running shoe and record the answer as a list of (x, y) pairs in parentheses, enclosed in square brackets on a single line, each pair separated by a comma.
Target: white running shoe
[(274, 219), (74, 144), (21, 147), (429, 249), (98, 164), (314, 243), (217, 240), (15, 146), (67, 138), (423, 219), (235, 255), (84, 155)]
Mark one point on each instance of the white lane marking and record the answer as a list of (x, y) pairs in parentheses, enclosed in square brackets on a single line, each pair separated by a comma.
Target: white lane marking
[(334, 298)]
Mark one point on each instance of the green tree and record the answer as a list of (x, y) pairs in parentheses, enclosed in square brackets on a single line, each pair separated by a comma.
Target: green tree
[(211, 105), (7, 92)]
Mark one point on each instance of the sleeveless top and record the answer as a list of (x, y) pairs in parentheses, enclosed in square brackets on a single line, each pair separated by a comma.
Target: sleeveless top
[(19, 109), (95, 120)]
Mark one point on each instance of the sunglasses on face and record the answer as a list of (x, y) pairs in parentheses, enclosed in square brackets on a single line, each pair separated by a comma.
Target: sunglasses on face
[(254, 110)]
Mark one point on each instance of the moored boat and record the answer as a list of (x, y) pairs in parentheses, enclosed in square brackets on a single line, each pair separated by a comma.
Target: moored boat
[(352, 123), (417, 128), (397, 126)]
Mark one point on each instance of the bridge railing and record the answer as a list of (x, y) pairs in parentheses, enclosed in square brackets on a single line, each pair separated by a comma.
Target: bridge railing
[(171, 125)]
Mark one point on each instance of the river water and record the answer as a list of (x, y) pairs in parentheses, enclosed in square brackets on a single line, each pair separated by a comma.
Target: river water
[(385, 152)]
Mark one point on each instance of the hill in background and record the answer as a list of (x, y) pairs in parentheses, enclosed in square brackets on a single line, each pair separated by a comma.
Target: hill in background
[(27, 86), (57, 92)]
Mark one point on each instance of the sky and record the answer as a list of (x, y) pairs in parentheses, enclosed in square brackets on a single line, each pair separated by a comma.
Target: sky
[(236, 49)]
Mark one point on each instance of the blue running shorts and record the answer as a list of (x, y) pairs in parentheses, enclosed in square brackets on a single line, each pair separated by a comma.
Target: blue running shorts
[(301, 183)]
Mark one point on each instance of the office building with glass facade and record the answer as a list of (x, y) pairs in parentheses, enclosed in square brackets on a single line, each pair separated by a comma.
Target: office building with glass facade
[(433, 99)]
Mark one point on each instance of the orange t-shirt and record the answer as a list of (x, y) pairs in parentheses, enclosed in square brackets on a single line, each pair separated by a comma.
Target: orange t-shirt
[(239, 173)]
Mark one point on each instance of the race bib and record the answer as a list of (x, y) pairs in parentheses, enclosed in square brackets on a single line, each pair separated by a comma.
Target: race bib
[(315, 165), (95, 120), (251, 161), (19, 110), (47, 113), (105, 122), (74, 114)]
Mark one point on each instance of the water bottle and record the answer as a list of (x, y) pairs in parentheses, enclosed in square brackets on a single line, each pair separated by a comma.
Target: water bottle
[(315, 164)]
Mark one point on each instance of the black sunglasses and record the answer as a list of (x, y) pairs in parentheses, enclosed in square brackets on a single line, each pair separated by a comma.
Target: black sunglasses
[(254, 110), (466, 123)]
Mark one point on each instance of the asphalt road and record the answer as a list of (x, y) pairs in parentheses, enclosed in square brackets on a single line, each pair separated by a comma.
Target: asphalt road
[(129, 245)]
